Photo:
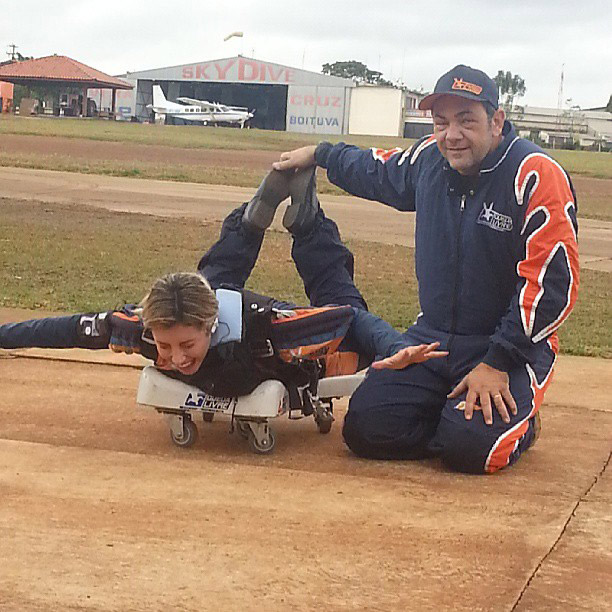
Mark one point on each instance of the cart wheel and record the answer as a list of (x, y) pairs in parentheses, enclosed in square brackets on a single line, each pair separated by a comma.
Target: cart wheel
[(266, 445), (324, 422), (243, 429), (208, 417), (190, 434), (324, 417)]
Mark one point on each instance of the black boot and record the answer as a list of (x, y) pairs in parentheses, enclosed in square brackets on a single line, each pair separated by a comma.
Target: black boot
[(301, 213), (260, 210)]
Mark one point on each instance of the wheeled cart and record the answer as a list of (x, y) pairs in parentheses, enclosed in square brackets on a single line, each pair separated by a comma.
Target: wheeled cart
[(249, 414)]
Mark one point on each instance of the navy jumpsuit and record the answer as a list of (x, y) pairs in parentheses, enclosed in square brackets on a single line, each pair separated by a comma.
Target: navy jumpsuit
[(497, 267)]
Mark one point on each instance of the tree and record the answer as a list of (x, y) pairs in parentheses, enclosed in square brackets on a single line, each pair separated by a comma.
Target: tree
[(510, 86), (609, 105), (357, 71)]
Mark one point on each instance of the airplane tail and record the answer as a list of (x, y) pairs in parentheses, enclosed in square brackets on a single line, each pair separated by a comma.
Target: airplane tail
[(159, 100)]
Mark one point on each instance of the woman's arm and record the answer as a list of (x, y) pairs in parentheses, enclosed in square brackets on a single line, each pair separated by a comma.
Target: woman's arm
[(373, 336), (121, 331)]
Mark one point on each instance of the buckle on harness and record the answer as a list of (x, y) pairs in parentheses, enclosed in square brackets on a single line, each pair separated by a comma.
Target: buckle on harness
[(265, 351)]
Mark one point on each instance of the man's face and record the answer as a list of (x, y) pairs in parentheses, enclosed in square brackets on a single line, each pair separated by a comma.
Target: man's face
[(464, 133)]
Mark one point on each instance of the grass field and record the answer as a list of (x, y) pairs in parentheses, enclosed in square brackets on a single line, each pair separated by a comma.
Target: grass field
[(81, 259), (74, 259), (586, 163)]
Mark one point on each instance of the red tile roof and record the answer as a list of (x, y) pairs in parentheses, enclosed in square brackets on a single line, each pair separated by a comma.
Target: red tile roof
[(60, 68)]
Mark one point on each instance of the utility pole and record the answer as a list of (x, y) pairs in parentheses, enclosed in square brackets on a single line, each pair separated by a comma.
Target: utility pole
[(559, 104), (560, 96), (13, 51)]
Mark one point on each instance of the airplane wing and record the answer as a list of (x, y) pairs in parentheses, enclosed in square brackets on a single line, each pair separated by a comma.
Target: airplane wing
[(192, 101)]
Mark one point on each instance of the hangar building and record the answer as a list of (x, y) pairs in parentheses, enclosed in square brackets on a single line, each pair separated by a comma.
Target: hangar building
[(285, 98)]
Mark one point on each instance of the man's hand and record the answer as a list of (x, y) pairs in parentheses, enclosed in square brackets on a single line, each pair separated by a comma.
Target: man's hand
[(296, 159), (486, 385), (410, 355), (126, 332)]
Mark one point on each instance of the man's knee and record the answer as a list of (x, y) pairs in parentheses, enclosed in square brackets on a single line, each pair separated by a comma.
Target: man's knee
[(354, 435), (385, 431), (475, 448)]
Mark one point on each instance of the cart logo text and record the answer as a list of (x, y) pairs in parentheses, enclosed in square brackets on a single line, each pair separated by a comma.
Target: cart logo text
[(201, 401)]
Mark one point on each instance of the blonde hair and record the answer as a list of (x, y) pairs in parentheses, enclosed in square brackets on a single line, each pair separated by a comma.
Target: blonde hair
[(180, 298)]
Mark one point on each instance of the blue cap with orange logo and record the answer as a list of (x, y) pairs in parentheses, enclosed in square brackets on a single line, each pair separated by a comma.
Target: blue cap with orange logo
[(465, 82)]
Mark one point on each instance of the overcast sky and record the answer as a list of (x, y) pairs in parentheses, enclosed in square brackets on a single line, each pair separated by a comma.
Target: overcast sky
[(412, 41)]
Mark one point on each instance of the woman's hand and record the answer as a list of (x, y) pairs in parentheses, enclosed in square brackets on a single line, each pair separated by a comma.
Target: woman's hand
[(410, 355)]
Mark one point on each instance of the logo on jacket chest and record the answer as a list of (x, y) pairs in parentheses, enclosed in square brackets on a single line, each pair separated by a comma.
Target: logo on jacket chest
[(493, 219)]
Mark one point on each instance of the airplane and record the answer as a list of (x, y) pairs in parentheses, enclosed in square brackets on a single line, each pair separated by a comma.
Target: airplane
[(199, 111)]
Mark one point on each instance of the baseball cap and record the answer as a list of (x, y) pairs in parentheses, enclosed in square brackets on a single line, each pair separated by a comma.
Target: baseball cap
[(465, 82)]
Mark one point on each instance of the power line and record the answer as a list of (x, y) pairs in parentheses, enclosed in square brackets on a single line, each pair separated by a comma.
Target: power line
[(13, 51)]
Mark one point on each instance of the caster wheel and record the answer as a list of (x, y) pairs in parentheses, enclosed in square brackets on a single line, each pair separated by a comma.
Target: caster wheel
[(263, 447), (243, 429), (324, 423), (208, 417), (190, 434), (324, 417)]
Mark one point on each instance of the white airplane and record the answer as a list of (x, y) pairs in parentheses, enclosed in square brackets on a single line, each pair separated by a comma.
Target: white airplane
[(199, 111)]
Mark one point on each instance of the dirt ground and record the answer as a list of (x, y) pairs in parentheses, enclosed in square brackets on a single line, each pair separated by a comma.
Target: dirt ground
[(92, 150), (101, 512)]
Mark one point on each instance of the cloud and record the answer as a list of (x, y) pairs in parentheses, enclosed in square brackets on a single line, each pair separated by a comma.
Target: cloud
[(407, 40)]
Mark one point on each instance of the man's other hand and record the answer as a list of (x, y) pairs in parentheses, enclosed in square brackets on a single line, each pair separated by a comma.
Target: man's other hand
[(485, 387)]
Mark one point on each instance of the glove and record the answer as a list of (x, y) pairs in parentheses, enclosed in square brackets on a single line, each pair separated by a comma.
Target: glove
[(126, 332)]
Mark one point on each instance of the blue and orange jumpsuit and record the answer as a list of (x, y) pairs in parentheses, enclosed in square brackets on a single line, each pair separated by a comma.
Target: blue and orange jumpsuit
[(497, 267)]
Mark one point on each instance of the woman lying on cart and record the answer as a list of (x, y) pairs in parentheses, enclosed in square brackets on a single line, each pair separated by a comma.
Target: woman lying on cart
[(207, 330)]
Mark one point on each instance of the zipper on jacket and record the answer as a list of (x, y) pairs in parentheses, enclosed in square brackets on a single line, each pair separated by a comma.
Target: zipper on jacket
[(457, 272)]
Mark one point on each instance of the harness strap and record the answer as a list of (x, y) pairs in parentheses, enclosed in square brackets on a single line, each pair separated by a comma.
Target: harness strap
[(257, 312)]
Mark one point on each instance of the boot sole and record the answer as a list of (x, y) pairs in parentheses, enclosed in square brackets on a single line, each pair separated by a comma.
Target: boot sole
[(275, 189), (297, 190)]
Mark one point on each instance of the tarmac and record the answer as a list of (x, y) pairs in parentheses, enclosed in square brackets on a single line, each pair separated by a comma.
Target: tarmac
[(101, 512)]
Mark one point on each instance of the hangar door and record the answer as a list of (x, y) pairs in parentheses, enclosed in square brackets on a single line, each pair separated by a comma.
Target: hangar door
[(269, 101)]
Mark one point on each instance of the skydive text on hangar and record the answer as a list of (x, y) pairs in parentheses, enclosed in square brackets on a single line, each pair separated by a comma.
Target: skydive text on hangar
[(243, 70)]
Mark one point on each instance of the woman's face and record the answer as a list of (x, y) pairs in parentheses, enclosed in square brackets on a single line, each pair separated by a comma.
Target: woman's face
[(182, 347)]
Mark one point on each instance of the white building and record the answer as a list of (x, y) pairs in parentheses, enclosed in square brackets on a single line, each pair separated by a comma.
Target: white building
[(376, 110), (561, 127), (386, 111), (284, 98)]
